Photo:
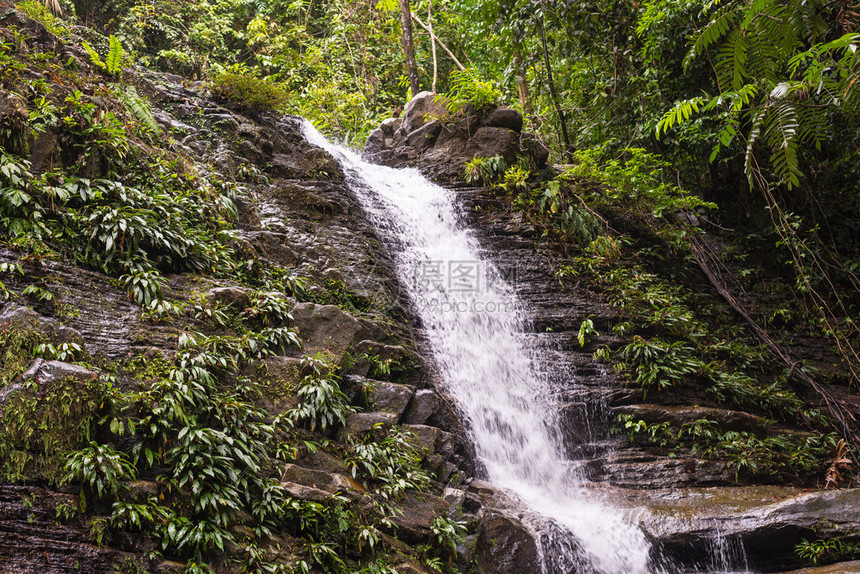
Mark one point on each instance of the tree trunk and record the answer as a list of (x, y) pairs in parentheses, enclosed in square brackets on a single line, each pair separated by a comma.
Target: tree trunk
[(408, 46), (440, 43), (432, 44), (561, 120), (522, 85)]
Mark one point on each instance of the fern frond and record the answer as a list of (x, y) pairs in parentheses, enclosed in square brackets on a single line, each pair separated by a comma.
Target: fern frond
[(732, 61), (115, 57), (139, 108), (750, 164), (759, 9), (712, 33), (679, 114), (94, 57), (762, 57), (781, 134)]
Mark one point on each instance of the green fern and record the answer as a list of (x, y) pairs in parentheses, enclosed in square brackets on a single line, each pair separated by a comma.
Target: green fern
[(139, 108), (115, 57), (712, 33), (112, 64), (679, 114), (94, 57)]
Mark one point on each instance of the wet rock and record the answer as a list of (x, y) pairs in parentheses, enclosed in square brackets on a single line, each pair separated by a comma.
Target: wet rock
[(273, 246), (678, 415), (425, 136), (838, 568), (23, 320), (47, 373), (635, 469), (375, 143), (419, 510), (504, 546), (329, 482), (236, 298), (328, 329), (391, 397), (310, 163), (45, 152), (425, 437), (32, 541), (430, 408), (390, 126), (303, 492), (493, 141), (141, 490), (768, 532), (357, 423), (322, 461)]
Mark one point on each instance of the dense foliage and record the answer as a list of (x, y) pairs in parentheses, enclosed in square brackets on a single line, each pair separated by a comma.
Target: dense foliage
[(735, 120)]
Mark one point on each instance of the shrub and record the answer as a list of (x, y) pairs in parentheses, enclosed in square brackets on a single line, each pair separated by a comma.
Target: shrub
[(249, 91)]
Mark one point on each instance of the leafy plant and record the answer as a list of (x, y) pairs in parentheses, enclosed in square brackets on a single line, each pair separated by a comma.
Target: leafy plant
[(242, 86), (101, 467), (822, 550), (139, 107), (468, 89), (321, 402), (392, 466), (586, 328), (114, 60), (484, 170)]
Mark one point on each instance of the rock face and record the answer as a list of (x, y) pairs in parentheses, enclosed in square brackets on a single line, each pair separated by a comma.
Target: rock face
[(505, 546), (767, 532), (440, 143)]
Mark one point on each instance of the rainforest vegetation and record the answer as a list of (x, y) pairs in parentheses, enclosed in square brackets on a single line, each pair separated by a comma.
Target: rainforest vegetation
[(703, 181)]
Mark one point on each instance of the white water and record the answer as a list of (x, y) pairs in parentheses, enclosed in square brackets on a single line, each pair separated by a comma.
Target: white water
[(474, 327)]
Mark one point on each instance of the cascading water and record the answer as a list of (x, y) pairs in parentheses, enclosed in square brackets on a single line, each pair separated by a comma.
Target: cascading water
[(474, 327)]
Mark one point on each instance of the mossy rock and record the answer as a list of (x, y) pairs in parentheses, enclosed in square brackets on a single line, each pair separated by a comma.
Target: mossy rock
[(45, 414)]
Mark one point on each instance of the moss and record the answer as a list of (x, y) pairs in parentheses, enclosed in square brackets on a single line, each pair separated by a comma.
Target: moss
[(16, 352), (39, 426)]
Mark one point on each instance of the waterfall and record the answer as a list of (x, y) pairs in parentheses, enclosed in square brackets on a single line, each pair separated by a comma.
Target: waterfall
[(474, 326)]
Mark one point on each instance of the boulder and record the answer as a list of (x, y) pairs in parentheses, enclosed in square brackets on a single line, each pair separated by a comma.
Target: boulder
[(505, 118), (768, 532), (303, 492), (421, 109), (425, 136), (429, 408), (47, 373), (391, 397), (426, 437), (419, 510), (390, 126), (504, 546), (375, 143), (236, 298), (329, 482), (357, 423), (492, 141), (329, 329)]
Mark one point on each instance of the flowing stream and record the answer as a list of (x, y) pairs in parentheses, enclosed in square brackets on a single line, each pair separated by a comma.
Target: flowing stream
[(474, 326)]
